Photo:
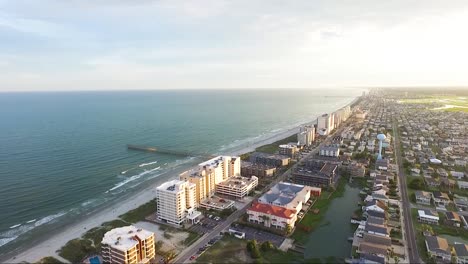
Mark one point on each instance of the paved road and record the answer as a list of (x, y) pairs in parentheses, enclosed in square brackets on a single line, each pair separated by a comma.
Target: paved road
[(413, 253)]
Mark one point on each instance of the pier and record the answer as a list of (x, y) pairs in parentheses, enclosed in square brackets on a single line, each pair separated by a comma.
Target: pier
[(167, 151)]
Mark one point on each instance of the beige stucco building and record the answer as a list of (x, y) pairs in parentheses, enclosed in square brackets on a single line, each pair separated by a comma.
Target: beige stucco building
[(128, 244)]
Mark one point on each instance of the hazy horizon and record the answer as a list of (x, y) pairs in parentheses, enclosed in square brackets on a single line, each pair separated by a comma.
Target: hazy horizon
[(144, 45)]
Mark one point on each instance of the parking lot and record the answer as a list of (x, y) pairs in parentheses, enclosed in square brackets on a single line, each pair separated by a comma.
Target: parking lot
[(259, 235), (205, 225)]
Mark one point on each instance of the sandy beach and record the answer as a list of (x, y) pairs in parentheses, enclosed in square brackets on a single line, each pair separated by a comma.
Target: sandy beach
[(50, 246)]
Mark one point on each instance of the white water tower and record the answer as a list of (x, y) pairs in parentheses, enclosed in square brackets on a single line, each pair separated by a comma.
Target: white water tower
[(381, 138)]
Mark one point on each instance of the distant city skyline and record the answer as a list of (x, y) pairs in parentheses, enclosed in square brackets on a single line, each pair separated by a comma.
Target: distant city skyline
[(142, 44)]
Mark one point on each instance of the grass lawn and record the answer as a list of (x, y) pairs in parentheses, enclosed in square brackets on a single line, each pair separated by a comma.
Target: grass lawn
[(274, 147), (227, 250), (232, 250), (192, 237), (77, 249), (278, 256), (140, 213), (49, 260)]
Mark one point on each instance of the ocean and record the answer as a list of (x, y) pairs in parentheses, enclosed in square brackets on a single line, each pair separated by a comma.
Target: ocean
[(64, 154)]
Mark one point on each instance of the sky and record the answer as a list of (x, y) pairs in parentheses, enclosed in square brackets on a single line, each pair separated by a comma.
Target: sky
[(143, 44)]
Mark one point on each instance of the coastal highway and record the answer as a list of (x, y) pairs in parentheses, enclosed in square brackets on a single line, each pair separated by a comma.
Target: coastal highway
[(185, 255), (413, 252)]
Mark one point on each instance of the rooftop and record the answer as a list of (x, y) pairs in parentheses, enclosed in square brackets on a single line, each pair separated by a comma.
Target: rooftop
[(214, 162), (238, 181), (125, 237), (284, 193), (438, 244), (174, 186), (273, 210)]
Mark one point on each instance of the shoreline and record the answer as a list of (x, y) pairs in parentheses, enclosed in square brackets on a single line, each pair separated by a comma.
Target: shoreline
[(51, 243)]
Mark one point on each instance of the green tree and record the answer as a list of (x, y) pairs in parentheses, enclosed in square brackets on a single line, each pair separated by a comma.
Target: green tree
[(266, 246), (416, 184), (288, 229)]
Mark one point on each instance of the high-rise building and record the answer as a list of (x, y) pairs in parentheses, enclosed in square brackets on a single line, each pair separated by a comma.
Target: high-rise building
[(209, 173), (176, 201), (128, 245), (306, 135), (325, 124), (341, 115)]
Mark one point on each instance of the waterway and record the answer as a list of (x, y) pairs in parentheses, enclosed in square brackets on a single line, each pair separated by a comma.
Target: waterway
[(331, 238)]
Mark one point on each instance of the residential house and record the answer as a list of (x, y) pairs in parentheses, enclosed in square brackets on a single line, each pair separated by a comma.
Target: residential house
[(453, 219), (375, 220), (462, 185), (438, 248), (415, 172), (428, 217), (379, 230), (432, 182), (461, 253), (440, 199), (372, 249), (375, 214), (461, 203), (457, 175), (423, 197), (370, 259), (375, 205)]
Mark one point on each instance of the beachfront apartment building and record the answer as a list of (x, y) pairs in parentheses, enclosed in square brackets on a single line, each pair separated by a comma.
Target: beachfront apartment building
[(341, 115), (279, 206), (316, 173), (271, 215), (208, 174), (289, 195), (222, 167), (306, 135), (237, 187), (260, 170), (176, 202), (289, 150), (325, 124), (128, 245), (269, 159)]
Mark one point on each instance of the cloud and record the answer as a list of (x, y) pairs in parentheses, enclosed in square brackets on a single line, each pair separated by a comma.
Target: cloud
[(34, 26), (223, 44)]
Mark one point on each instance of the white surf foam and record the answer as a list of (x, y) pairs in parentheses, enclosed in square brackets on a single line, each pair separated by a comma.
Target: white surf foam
[(49, 218), (133, 178), (4, 241), (147, 164), (15, 231)]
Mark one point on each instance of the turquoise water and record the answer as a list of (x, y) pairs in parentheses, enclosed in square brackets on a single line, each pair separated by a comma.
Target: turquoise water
[(63, 154)]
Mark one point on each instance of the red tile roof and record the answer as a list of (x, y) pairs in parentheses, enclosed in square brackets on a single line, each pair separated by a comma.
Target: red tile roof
[(272, 210)]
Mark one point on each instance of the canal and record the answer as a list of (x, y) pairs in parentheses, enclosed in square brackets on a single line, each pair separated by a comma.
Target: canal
[(330, 239)]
